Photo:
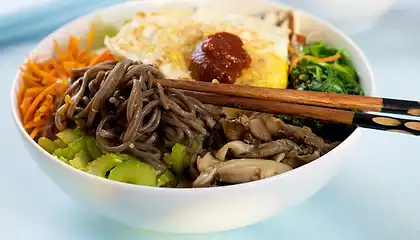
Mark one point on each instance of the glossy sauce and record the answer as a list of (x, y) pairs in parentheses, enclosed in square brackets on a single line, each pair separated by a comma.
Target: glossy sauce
[(220, 56)]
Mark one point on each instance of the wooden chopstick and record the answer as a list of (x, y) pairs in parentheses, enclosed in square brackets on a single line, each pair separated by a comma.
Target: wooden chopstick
[(320, 113), (332, 100)]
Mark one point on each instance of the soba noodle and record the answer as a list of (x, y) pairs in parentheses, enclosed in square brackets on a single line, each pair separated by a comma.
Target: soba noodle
[(128, 111)]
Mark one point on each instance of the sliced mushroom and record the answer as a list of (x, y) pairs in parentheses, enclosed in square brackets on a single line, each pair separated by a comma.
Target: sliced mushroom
[(233, 129), (301, 134), (205, 179), (243, 150), (206, 162), (249, 139), (267, 149), (241, 171), (279, 157), (237, 147), (273, 126), (295, 160), (259, 130), (305, 158), (246, 170)]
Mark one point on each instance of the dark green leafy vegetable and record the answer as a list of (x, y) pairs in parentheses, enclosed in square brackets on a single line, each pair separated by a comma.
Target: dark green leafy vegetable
[(334, 77), (338, 76)]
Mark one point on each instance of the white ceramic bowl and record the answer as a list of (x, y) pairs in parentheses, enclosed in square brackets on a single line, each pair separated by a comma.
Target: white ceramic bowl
[(194, 210)]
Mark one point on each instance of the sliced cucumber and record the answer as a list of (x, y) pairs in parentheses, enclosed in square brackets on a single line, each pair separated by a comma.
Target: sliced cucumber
[(166, 179), (69, 135), (72, 149), (126, 157), (63, 159), (47, 144), (59, 144), (103, 164), (135, 172), (92, 148), (80, 160), (177, 158)]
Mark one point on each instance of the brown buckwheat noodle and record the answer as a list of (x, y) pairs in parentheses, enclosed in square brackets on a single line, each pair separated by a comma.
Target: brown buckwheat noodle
[(121, 103)]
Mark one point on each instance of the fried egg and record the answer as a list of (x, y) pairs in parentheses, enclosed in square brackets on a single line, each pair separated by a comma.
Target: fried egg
[(168, 37)]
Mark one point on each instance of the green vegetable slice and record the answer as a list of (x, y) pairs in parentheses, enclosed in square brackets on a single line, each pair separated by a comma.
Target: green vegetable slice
[(69, 135), (166, 179), (80, 160), (126, 157), (135, 172), (59, 144), (47, 144), (102, 165), (72, 149), (92, 148), (63, 159), (177, 158)]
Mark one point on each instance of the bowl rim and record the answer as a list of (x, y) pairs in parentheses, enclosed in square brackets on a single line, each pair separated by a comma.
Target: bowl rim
[(352, 137)]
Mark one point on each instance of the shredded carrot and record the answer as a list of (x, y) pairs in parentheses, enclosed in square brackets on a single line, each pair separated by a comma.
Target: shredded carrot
[(34, 91), (34, 124), (326, 59), (26, 103), (44, 83), (34, 68), (38, 99), (74, 47), (58, 50), (91, 35), (30, 78), (68, 66), (34, 133), (59, 68), (47, 78), (106, 55), (21, 92)]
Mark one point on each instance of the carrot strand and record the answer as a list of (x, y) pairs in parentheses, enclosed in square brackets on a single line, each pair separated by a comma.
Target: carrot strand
[(90, 38), (58, 50), (326, 59), (44, 83), (100, 58), (34, 133), (38, 99)]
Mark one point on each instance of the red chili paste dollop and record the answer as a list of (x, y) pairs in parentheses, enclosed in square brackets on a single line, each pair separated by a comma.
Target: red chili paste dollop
[(220, 56)]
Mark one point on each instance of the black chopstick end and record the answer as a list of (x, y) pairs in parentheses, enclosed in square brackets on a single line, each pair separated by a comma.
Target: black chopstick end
[(386, 123), (401, 107)]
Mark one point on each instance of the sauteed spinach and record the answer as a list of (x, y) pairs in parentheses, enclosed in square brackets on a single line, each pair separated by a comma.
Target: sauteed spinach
[(338, 76)]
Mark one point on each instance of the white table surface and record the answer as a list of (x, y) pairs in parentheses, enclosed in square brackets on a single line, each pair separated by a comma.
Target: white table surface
[(375, 196)]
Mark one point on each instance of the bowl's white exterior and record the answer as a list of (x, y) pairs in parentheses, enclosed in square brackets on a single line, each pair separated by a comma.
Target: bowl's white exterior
[(194, 210)]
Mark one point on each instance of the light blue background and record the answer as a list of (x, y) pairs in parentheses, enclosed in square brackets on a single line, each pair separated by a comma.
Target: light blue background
[(375, 196)]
